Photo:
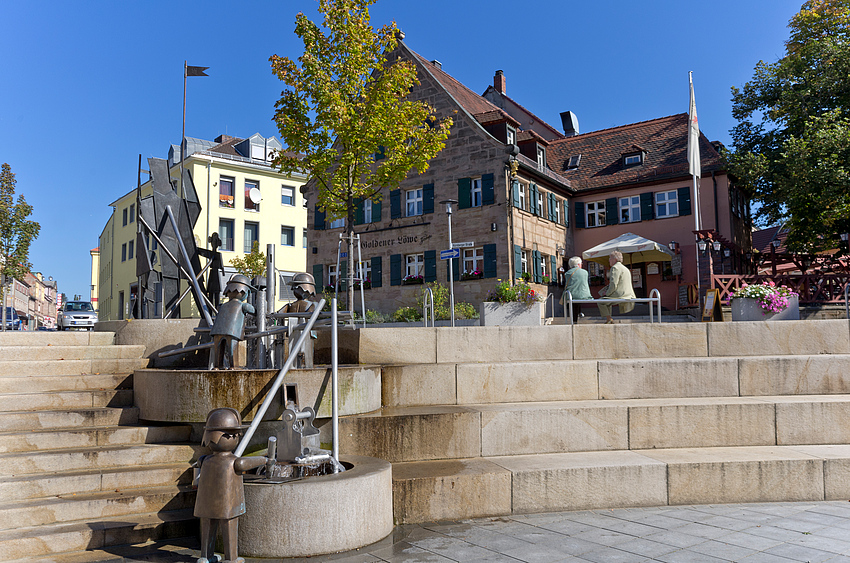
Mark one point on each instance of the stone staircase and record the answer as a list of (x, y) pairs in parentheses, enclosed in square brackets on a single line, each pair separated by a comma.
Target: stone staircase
[(488, 421), (80, 479)]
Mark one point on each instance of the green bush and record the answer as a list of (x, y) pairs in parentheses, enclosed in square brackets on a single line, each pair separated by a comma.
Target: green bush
[(407, 315), (465, 310)]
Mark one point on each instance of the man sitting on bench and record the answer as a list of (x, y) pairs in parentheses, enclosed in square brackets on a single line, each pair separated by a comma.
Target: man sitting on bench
[(619, 287)]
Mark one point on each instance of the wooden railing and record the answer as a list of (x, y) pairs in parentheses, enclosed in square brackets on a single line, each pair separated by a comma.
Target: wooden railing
[(812, 288)]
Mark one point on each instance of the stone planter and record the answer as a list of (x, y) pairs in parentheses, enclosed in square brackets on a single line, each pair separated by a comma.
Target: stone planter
[(749, 309), (511, 314)]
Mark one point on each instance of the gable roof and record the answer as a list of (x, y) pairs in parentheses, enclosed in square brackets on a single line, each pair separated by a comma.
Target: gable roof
[(490, 91), (664, 140)]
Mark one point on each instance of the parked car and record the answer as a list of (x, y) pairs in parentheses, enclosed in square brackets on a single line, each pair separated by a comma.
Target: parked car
[(76, 314), (13, 321)]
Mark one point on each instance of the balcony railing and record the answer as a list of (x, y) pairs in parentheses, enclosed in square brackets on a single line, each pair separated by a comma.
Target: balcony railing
[(812, 288)]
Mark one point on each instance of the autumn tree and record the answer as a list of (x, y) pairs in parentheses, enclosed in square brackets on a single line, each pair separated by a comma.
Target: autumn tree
[(16, 234), (790, 146), (344, 104), (252, 264)]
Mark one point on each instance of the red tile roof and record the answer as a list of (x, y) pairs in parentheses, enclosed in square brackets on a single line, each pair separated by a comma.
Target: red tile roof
[(495, 116), (471, 102), (664, 140)]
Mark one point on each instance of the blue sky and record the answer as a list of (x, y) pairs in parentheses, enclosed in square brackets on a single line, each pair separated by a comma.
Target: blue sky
[(87, 87)]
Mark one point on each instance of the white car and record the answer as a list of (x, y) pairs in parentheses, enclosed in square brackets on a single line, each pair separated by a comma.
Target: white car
[(76, 314)]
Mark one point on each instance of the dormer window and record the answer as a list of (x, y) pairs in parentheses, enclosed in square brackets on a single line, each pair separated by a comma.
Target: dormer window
[(633, 159), (511, 135), (541, 157)]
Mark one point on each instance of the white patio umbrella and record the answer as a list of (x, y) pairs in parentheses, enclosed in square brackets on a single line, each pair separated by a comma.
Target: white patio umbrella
[(634, 248)]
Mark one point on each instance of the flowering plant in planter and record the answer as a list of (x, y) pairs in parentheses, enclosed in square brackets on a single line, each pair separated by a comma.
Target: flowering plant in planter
[(476, 275), (412, 279), (520, 292), (772, 298)]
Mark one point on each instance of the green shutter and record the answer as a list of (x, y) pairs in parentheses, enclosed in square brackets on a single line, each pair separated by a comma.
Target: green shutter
[(517, 262), (376, 271), (532, 193), (566, 216), (537, 275), (684, 196), (515, 190), (553, 271), (376, 211), (342, 275), (319, 277), (430, 273), (464, 193), (428, 198), (395, 204), (455, 269), (612, 214), (319, 220), (488, 193), (395, 269), (647, 206), (553, 202), (358, 213), (489, 260), (578, 208)]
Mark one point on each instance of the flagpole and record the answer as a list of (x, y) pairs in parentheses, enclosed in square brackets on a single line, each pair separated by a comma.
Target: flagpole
[(695, 168), (183, 133)]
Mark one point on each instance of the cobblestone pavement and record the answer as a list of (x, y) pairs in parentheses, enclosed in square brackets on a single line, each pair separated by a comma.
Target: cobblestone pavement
[(751, 533)]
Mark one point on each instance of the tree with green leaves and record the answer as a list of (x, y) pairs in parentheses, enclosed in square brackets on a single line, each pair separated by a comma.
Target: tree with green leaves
[(790, 146), (16, 234), (252, 264), (345, 115)]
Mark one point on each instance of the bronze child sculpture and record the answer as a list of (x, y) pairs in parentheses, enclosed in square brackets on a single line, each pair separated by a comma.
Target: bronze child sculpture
[(229, 326), (221, 497)]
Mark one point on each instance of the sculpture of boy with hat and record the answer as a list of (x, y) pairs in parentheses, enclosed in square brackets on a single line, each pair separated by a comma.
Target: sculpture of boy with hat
[(221, 496), (229, 326)]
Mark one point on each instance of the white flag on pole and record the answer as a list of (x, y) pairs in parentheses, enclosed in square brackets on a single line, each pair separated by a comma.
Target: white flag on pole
[(693, 134)]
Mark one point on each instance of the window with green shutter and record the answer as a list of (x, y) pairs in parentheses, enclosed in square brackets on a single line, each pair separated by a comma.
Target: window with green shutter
[(517, 261), (377, 272), (319, 219), (488, 193), (428, 198), (464, 193), (395, 269), (430, 273), (319, 276), (395, 204), (489, 261)]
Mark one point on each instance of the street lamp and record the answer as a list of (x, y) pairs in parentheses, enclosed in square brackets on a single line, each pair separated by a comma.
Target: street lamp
[(701, 244), (449, 203)]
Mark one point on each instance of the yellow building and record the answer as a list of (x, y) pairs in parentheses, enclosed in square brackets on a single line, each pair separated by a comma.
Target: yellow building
[(243, 198)]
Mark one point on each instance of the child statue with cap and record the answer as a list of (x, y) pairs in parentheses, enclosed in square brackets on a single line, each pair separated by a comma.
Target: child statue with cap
[(229, 326), (221, 496)]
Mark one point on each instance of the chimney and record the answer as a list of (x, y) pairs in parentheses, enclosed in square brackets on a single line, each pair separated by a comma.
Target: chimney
[(437, 64), (569, 121), (224, 139), (499, 82)]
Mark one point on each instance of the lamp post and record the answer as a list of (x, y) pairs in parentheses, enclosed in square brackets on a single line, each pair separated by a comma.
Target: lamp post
[(448, 203)]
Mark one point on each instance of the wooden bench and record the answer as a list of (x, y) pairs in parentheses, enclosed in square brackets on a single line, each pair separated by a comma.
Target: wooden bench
[(654, 299)]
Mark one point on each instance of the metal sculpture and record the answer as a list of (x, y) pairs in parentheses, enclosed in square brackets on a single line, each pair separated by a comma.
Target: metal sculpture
[(229, 326)]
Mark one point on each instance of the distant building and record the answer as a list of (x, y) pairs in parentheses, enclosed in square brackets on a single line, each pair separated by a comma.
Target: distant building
[(95, 271), (224, 172), (530, 197), (35, 300)]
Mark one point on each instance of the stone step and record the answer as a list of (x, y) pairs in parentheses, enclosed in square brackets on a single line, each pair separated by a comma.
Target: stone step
[(637, 378), (70, 367), (84, 417), (88, 437), (60, 352), (76, 459), (496, 486), (81, 542), (65, 400), (168, 550), (94, 506), (66, 338), (94, 480), (403, 434), (53, 383)]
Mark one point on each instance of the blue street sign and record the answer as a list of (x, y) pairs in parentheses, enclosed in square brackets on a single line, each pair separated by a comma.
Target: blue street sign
[(451, 253), (343, 254)]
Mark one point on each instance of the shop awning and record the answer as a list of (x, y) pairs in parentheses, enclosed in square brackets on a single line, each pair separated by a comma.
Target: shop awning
[(634, 248)]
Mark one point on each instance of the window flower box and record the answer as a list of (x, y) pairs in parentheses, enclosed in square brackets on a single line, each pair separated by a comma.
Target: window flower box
[(476, 275), (765, 302), (412, 280)]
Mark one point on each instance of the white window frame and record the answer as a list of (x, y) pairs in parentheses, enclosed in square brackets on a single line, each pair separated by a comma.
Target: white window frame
[(367, 211), (475, 194), (594, 214), (413, 202), (540, 207), (367, 270), (332, 275), (666, 204), (541, 157), (231, 204), (544, 258), (337, 223), (250, 205), (511, 137), (291, 231), (473, 260), (631, 205), (291, 196), (245, 246), (632, 159), (524, 260), (521, 195), (414, 264), (558, 211)]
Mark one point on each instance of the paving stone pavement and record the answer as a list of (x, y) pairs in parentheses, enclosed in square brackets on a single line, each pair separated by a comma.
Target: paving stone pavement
[(750, 533)]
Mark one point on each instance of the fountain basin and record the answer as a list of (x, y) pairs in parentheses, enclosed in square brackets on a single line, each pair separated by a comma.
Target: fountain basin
[(318, 515)]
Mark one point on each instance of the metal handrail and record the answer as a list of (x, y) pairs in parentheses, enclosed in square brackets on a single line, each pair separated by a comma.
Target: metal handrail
[(846, 302), (428, 300), (270, 397), (552, 297)]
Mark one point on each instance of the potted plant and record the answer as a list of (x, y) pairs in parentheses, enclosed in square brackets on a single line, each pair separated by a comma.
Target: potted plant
[(412, 279), (764, 302), (476, 275), (511, 304)]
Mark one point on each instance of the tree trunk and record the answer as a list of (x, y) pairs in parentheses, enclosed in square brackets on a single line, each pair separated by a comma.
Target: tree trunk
[(349, 286)]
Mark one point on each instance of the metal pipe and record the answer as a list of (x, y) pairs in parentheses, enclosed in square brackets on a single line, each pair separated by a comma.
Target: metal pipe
[(201, 303), (334, 381), (278, 381), (362, 280), (271, 279)]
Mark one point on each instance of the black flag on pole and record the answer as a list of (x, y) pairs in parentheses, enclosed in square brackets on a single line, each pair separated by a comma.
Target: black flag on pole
[(196, 70)]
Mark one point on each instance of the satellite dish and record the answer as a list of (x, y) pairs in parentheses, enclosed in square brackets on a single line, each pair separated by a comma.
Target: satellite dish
[(255, 195)]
